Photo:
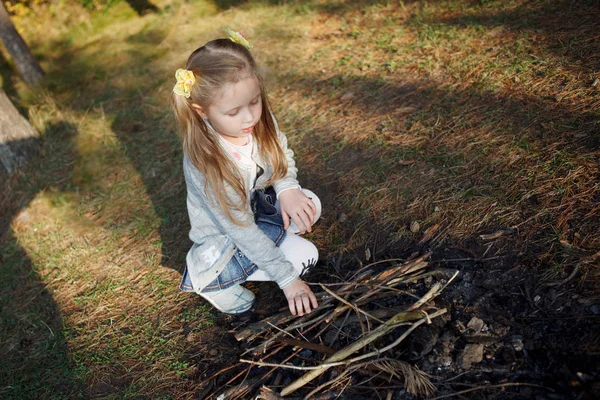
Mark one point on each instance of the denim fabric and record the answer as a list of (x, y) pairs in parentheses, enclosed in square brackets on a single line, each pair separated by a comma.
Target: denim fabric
[(269, 220)]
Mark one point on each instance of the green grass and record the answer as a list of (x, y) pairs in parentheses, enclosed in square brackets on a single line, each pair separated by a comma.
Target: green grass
[(473, 115)]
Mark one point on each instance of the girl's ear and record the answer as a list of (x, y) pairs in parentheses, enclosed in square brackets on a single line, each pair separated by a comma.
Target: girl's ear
[(199, 110)]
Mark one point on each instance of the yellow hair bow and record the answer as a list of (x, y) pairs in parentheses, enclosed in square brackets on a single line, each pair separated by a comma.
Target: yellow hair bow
[(238, 38), (185, 81)]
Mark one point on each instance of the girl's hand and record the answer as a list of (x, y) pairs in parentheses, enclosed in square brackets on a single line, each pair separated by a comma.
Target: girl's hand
[(300, 297), (296, 205)]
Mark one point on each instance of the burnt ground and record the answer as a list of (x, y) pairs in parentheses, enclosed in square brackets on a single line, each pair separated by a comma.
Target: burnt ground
[(510, 333), (507, 325)]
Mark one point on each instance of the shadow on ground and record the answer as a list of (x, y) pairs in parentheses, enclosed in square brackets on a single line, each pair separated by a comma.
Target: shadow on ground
[(155, 152), (35, 356), (142, 6), (564, 28)]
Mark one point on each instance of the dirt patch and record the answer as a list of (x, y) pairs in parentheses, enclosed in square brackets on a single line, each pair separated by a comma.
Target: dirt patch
[(508, 333), (508, 326)]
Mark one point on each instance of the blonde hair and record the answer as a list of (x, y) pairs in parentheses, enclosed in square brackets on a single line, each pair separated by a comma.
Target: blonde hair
[(214, 65)]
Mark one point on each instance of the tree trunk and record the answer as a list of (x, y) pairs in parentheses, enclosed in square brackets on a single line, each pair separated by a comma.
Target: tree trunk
[(18, 139), (28, 67)]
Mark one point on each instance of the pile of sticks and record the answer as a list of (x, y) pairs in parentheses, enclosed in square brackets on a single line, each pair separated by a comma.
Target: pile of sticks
[(348, 338)]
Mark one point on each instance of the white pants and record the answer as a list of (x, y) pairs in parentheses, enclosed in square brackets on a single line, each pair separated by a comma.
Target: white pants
[(297, 250)]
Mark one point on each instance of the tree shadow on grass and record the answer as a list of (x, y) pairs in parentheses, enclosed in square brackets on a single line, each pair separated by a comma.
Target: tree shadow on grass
[(7, 74), (566, 28), (427, 112), (418, 120), (142, 7), (322, 7), (36, 362), (395, 149), (138, 123)]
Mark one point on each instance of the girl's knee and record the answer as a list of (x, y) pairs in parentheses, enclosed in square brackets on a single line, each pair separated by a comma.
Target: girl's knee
[(312, 252), (310, 259), (302, 253)]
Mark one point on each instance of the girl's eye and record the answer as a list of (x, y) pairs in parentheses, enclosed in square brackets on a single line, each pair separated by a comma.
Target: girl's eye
[(255, 101), (233, 114)]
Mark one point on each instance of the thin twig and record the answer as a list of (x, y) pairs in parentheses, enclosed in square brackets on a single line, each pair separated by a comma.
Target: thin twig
[(339, 329), (501, 385), (331, 382), (567, 279), (281, 330), (470, 259), (353, 306), (217, 374), (371, 286), (261, 348), (401, 338), (353, 347), (308, 345), (266, 375), (373, 264), (433, 292), (373, 353)]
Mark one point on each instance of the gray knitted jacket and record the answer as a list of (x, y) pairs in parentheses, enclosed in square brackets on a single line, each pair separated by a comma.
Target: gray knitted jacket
[(215, 238)]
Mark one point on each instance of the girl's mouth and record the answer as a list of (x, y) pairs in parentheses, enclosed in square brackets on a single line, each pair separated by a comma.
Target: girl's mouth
[(248, 130)]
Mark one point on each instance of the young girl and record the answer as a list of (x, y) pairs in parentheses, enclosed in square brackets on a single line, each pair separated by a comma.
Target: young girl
[(244, 202)]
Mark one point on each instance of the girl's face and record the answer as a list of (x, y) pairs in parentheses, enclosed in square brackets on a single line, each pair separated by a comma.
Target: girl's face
[(236, 109)]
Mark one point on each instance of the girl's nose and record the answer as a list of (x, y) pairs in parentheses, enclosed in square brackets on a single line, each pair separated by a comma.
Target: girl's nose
[(248, 117)]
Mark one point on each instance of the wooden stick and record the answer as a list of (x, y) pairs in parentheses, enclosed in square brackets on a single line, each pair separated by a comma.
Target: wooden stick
[(392, 279), (250, 332), (281, 330), (343, 308), (354, 347), (329, 364), (501, 385), (338, 330), (381, 313), (307, 345), (433, 292), (336, 379), (261, 348), (353, 306), (401, 338)]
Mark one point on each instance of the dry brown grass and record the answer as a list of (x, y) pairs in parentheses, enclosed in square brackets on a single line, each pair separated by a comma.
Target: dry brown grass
[(493, 141), (420, 125)]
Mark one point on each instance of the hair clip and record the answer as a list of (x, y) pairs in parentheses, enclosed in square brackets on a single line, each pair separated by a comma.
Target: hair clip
[(185, 81), (238, 38)]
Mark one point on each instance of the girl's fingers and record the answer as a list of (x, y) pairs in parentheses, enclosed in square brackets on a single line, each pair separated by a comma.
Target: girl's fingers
[(311, 215), (305, 220), (292, 305), (313, 207), (299, 307), (313, 299), (306, 302), (286, 219), (309, 220), (300, 223)]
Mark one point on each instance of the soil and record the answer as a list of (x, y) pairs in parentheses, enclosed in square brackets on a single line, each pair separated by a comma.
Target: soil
[(505, 326), (508, 333)]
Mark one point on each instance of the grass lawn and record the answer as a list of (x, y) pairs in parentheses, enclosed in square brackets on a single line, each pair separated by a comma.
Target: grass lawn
[(421, 125)]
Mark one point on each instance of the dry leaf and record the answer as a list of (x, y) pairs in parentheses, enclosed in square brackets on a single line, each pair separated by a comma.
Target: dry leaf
[(347, 96), (429, 233), (497, 234), (414, 227)]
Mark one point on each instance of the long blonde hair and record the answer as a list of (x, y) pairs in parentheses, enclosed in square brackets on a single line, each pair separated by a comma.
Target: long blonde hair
[(215, 64)]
